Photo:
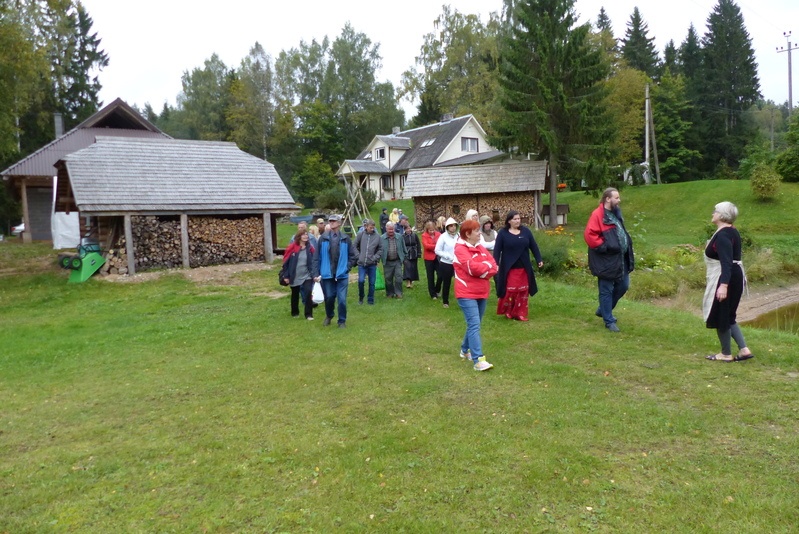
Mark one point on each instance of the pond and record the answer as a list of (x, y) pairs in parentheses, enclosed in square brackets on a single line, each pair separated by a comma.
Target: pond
[(785, 318)]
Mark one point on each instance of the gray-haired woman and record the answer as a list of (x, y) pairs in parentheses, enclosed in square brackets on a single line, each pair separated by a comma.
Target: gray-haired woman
[(725, 284)]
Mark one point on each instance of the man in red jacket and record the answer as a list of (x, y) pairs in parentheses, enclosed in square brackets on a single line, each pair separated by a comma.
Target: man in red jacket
[(610, 254)]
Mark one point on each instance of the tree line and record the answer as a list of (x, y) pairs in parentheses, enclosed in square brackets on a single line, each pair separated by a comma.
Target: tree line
[(539, 83)]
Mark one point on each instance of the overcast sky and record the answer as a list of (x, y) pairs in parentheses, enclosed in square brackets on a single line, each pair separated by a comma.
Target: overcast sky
[(151, 43)]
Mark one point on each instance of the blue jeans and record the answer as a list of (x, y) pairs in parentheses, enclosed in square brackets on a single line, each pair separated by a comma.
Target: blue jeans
[(363, 272), (473, 311), (610, 292), (336, 289)]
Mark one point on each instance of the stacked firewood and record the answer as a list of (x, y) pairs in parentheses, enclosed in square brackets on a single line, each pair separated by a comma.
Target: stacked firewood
[(214, 240)]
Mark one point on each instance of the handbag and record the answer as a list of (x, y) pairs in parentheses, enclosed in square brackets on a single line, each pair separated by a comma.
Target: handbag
[(317, 295), (282, 275)]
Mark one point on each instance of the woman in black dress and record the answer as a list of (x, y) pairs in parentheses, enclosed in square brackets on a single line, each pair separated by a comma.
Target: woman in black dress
[(725, 284), (515, 279), (410, 267)]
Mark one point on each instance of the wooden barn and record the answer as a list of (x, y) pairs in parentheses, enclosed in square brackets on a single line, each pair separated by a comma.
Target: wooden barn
[(31, 178), (170, 203), (491, 188)]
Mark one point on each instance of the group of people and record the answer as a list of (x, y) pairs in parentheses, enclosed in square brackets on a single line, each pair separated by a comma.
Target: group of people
[(473, 252)]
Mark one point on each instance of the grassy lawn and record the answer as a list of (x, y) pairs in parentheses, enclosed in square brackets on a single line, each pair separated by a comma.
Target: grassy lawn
[(170, 405)]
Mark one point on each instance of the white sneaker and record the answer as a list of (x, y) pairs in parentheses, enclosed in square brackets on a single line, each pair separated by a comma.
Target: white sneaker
[(482, 364), (466, 356)]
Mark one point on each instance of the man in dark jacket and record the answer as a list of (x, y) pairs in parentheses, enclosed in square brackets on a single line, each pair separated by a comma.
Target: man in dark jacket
[(370, 249), (393, 255), (383, 220), (610, 254), (333, 263)]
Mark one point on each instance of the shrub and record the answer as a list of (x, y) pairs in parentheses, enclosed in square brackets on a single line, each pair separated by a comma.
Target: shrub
[(369, 198), (334, 198), (555, 247), (765, 182)]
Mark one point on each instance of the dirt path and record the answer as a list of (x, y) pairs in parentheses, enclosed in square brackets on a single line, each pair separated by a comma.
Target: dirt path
[(764, 301), (760, 301)]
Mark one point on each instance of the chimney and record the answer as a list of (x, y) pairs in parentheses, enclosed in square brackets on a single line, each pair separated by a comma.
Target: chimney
[(447, 117), (59, 124), (395, 130)]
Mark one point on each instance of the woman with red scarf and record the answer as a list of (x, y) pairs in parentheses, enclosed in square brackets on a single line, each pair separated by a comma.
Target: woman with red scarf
[(515, 279)]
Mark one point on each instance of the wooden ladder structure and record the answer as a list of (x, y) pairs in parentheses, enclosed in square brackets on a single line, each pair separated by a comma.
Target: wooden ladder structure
[(355, 206)]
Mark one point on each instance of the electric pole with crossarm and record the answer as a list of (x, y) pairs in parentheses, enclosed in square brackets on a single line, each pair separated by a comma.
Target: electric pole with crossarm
[(790, 75)]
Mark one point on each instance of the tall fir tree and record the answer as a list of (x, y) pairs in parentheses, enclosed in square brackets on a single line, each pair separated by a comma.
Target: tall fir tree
[(729, 86), (671, 113), (603, 21), (670, 58), (550, 90), (638, 49)]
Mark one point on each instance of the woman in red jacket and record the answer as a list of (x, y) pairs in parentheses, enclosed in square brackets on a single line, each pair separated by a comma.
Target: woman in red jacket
[(474, 266), (429, 238)]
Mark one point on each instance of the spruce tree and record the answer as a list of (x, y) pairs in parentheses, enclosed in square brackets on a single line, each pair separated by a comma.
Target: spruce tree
[(603, 21), (670, 59), (729, 86), (550, 91), (638, 49)]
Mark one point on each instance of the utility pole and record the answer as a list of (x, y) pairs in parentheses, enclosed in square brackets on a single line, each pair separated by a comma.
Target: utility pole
[(650, 127), (790, 75), (646, 133)]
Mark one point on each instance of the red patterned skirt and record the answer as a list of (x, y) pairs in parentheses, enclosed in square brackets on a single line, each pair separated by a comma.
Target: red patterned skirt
[(514, 304)]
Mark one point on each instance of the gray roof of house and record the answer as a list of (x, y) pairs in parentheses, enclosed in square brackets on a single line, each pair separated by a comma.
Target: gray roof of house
[(119, 174), (473, 158), (507, 177), (116, 119), (397, 141), (418, 156), (365, 165)]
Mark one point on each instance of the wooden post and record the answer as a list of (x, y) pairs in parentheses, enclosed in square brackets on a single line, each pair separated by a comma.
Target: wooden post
[(129, 246), (269, 255), (184, 239), (26, 219)]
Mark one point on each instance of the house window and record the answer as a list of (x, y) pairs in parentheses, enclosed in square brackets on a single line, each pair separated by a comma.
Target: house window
[(380, 153), (364, 180), (427, 142), (469, 144), (368, 155), (403, 178), (388, 182), (456, 209)]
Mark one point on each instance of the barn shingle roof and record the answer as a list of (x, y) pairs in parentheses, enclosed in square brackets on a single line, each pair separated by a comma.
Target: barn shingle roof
[(507, 177), (116, 119), (167, 175)]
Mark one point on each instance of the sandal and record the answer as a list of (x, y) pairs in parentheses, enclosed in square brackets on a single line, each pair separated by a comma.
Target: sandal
[(715, 358), (743, 357)]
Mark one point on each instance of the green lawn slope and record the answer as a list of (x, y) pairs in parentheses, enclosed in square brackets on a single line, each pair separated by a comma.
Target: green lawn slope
[(168, 405)]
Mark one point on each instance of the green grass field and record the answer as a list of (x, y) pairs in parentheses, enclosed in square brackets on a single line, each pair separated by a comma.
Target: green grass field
[(175, 406)]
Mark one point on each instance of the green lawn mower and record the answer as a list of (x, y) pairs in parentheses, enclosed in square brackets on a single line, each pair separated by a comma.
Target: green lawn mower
[(85, 263)]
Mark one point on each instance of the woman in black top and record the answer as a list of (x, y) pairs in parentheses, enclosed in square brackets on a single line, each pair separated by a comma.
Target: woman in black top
[(410, 267), (725, 284), (515, 279)]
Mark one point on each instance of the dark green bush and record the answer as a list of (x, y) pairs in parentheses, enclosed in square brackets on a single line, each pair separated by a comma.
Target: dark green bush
[(334, 198), (765, 182)]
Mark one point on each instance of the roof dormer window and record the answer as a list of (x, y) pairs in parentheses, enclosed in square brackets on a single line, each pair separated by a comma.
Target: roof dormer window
[(380, 153), (427, 142)]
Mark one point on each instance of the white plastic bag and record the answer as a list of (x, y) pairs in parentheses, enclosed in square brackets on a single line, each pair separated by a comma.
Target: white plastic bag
[(316, 294)]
